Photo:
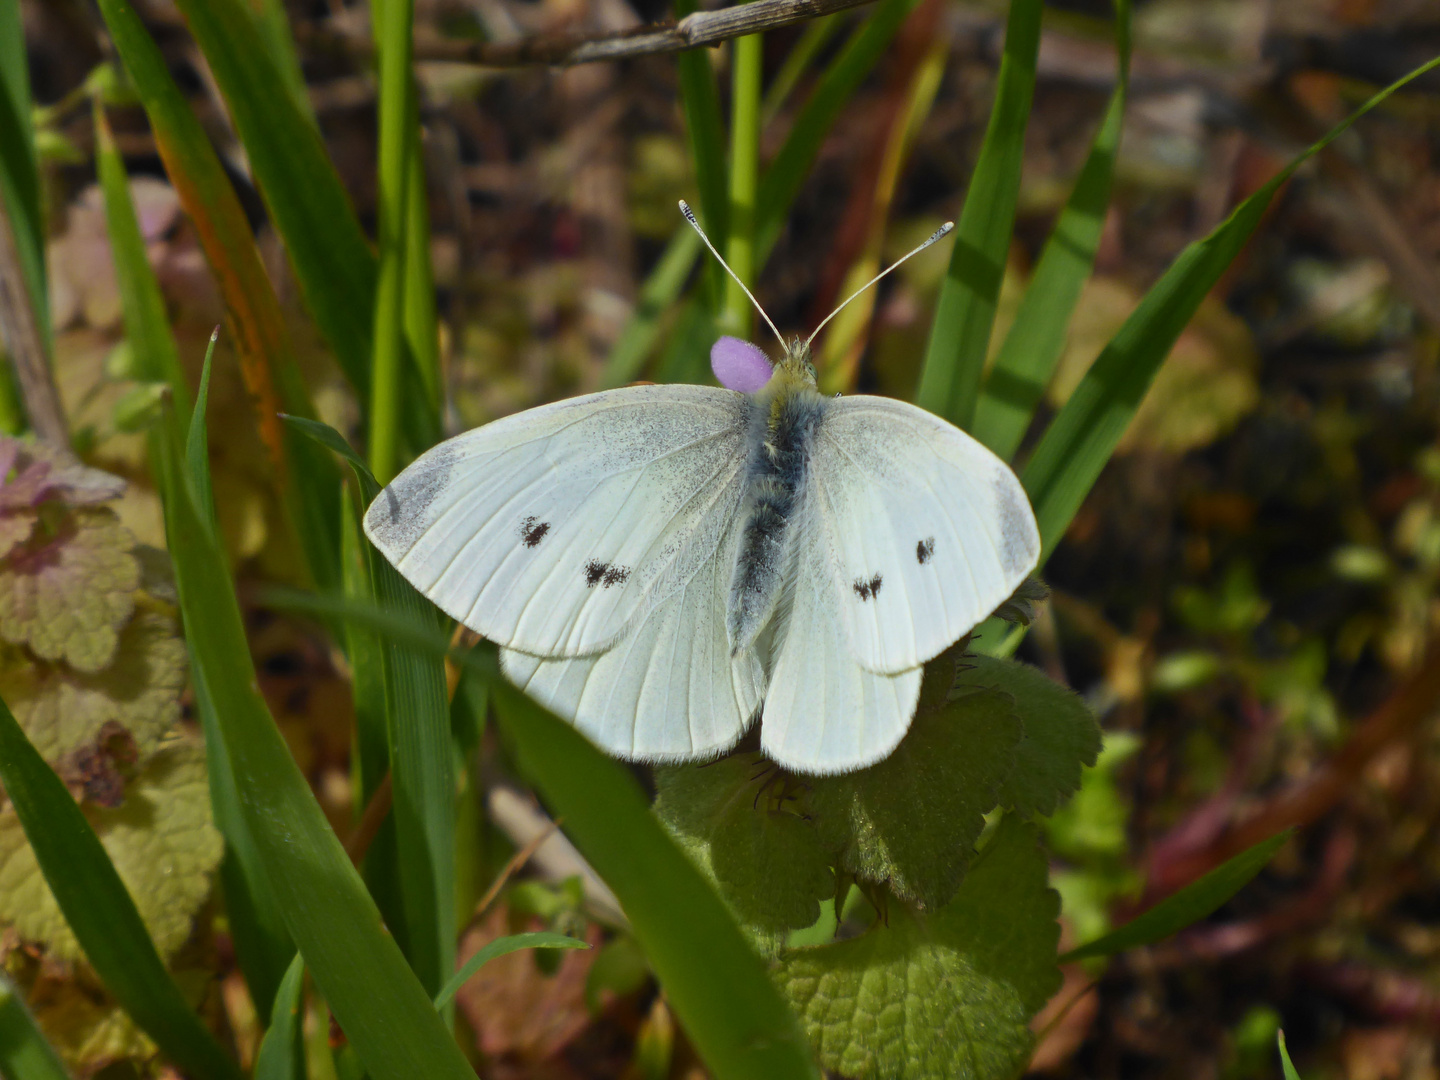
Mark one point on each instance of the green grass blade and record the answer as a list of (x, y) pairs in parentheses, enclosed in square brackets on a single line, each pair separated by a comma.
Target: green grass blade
[(705, 132), (737, 314), (274, 24), (366, 656), (734, 1015), (1028, 356), (1081, 438), (628, 354), (267, 360), (309, 205), (540, 939), (147, 323), (421, 326), (282, 1051), (100, 910), (393, 23), (1189, 905), (843, 75), (197, 441), (1286, 1065), (356, 964), (965, 313), (417, 712), (261, 944), (813, 38), (19, 170), (24, 1053)]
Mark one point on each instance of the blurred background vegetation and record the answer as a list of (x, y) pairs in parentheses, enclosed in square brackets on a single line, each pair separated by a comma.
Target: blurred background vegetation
[(1239, 599)]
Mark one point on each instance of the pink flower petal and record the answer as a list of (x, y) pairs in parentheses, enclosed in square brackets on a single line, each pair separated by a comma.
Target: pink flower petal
[(739, 365)]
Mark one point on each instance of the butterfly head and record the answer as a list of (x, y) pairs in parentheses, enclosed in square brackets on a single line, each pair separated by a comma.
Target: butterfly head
[(796, 367)]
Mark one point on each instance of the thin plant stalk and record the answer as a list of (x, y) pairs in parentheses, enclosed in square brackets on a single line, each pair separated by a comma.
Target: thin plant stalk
[(737, 316)]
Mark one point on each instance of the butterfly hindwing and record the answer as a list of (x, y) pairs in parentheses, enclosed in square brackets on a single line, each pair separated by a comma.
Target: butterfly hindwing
[(668, 690), (548, 531), (927, 531)]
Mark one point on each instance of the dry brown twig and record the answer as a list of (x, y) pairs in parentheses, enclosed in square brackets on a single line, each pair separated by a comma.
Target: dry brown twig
[(695, 30)]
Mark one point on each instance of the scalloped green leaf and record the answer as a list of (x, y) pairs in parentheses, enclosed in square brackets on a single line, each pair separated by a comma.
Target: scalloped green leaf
[(160, 840), (61, 709), (67, 594), (1061, 735), (734, 818), (911, 821), (946, 995)]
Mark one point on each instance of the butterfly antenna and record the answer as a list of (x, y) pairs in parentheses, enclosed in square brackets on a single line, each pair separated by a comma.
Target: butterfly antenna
[(936, 235), (694, 224)]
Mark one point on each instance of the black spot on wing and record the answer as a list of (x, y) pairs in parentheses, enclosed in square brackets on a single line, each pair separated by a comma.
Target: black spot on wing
[(532, 531), (867, 590), (924, 549), (605, 574)]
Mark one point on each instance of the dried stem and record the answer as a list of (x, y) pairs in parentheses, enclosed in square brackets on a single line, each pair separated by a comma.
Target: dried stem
[(26, 346), (697, 29)]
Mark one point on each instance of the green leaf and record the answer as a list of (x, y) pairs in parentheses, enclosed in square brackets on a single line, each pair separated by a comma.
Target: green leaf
[(539, 939), (912, 820), (747, 61), (197, 441), (66, 596), (1285, 1063), (767, 860), (354, 961), (282, 1051), (946, 995), (1061, 735), (960, 334), (1081, 438), (1189, 905), (1032, 348), (24, 1053), (99, 910), (705, 132)]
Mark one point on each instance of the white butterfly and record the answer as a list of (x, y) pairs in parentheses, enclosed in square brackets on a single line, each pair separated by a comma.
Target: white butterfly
[(663, 565)]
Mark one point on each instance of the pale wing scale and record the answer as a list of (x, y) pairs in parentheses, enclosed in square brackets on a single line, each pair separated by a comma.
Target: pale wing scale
[(930, 531), (824, 712), (548, 530), (669, 690)]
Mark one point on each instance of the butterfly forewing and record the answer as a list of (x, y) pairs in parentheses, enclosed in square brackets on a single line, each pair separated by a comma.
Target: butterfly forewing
[(548, 531), (925, 531)]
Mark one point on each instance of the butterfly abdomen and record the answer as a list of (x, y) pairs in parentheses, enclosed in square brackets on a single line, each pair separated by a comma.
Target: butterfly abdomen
[(782, 431)]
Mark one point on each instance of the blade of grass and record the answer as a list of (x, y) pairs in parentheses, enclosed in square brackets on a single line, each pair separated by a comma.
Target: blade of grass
[(843, 75), (393, 26), (813, 38), (1189, 905), (960, 333), (24, 1053), (737, 314), (705, 132), (261, 944), (732, 1012), (417, 711), (1032, 348), (274, 25), (421, 328), (147, 324), (356, 964), (307, 481), (282, 1051), (1081, 438), (19, 167), (1286, 1065), (539, 939), (99, 910)]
